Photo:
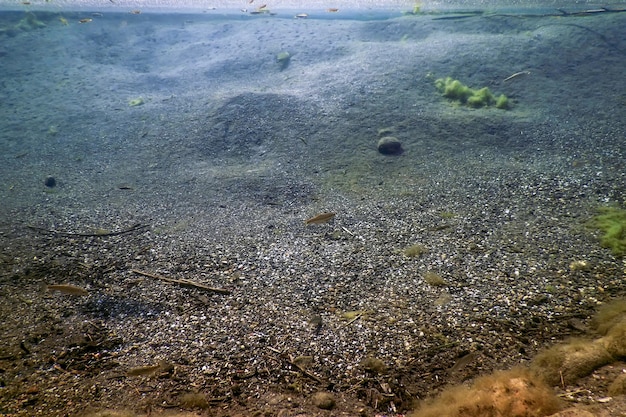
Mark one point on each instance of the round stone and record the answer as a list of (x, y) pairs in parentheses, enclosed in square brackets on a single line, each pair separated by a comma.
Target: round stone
[(50, 182), (389, 145)]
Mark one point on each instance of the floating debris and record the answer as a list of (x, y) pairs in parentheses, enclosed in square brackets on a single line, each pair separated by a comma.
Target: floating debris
[(320, 218), (68, 289), (301, 16)]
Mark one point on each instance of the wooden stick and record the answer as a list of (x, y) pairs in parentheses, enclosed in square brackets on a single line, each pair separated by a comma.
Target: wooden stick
[(517, 74), (133, 228), (358, 316), (182, 282), (305, 372)]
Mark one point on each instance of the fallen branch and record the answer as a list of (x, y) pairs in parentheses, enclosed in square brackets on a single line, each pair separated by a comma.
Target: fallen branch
[(302, 370), (517, 74), (182, 282), (131, 229), (358, 316)]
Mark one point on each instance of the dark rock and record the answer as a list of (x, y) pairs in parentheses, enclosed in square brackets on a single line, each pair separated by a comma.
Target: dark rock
[(389, 145), (50, 182)]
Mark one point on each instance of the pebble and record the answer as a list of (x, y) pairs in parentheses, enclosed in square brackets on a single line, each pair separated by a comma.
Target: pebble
[(389, 145)]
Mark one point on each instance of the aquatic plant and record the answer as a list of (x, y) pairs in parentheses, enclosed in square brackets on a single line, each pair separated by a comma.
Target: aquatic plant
[(416, 250), (447, 215), (618, 386), (502, 102), (455, 90), (434, 279), (374, 365), (566, 363), (609, 315), (283, 59), (612, 223), (513, 393), (194, 400), (323, 400), (30, 22), (135, 102)]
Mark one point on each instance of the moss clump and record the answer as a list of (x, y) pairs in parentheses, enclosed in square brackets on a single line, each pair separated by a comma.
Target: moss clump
[(135, 102), (434, 279), (571, 361), (374, 365), (323, 400), (283, 58), (502, 102), (618, 386), (457, 91), (415, 250), (194, 400), (612, 222), (609, 315), (514, 393)]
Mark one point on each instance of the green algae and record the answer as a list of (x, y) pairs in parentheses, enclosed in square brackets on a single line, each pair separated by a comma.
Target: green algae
[(611, 221), (456, 91)]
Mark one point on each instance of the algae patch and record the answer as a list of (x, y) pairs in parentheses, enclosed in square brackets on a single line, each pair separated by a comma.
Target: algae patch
[(456, 91), (136, 102), (611, 221)]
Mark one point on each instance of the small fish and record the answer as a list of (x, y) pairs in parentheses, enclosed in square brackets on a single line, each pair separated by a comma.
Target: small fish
[(135, 12), (263, 6), (332, 10), (68, 289), (320, 218), (85, 20), (143, 370), (63, 21), (463, 361), (301, 16), (162, 366)]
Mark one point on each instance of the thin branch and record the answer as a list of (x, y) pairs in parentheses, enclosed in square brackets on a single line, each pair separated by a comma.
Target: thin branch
[(182, 282), (131, 229)]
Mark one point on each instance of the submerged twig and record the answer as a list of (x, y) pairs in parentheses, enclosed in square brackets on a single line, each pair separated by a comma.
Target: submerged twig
[(183, 282), (358, 316), (131, 229), (517, 74)]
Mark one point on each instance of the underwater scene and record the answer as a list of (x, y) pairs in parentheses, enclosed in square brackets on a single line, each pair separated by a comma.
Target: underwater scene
[(272, 212)]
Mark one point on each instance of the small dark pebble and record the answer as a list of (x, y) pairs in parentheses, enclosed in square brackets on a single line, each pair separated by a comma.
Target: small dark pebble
[(50, 182)]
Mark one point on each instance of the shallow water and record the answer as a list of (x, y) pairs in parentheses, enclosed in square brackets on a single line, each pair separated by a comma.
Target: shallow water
[(201, 128), (212, 89)]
